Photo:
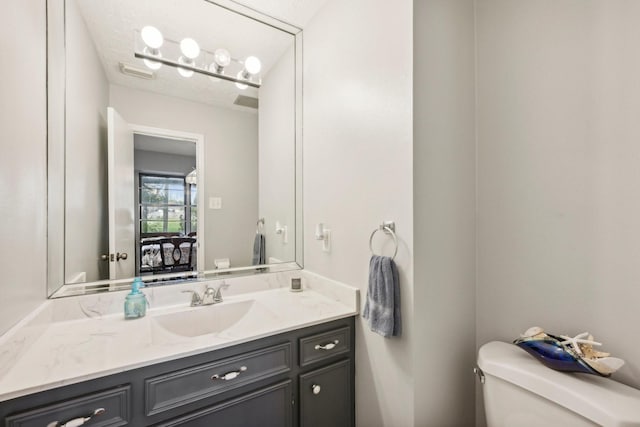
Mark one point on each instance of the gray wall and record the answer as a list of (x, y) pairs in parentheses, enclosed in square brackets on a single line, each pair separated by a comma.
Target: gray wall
[(86, 204), (231, 164), (557, 154), (444, 212), (23, 162), (558, 175), (277, 156), (358, 173)]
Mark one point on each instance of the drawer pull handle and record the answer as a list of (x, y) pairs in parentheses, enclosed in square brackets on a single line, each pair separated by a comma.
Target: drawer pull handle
[(316, 389), (329, 346), (229, 375), (77, 421)]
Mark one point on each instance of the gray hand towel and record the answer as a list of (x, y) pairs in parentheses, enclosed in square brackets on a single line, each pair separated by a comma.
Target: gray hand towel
[(258, 250), (382, 307)]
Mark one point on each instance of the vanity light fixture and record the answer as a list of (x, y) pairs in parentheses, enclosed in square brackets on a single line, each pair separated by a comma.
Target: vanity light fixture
[(189, 48), (154, 65), (252, 67), (190, 51), (240, 82), (218, 65), (221, 59), (152, 38)]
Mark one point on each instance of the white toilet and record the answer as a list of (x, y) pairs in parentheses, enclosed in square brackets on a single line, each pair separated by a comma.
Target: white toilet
[(519, 392)]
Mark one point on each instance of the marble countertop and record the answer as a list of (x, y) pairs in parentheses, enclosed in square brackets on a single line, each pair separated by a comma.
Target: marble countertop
[(75, 339)]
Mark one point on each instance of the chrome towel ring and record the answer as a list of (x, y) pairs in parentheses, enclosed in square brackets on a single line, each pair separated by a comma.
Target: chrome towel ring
[(388, 227)]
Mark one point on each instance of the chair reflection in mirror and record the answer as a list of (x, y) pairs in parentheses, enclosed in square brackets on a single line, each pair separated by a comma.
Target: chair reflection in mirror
[(167, 254)]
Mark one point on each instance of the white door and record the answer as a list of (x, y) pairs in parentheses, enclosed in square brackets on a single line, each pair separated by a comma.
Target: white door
[(121, 197)]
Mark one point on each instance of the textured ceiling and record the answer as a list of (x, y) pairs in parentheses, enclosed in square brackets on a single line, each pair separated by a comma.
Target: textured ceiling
[(112, 25), (296, 12)]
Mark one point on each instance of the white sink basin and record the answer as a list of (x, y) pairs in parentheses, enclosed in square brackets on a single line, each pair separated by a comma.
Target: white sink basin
[(204, 320)]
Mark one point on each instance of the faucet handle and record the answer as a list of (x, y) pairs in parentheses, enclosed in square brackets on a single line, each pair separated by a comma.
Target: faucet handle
[(218, 291), (195, 298), (209, 296)]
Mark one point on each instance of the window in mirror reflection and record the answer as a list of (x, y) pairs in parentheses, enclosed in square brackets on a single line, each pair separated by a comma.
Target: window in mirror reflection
[(167, 223)]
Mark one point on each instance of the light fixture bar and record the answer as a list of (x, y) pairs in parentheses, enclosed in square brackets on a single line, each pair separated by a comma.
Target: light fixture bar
[(195, 69)]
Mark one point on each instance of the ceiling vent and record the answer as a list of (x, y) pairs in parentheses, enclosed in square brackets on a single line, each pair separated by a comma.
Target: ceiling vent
[(141, 73), (246, 101)]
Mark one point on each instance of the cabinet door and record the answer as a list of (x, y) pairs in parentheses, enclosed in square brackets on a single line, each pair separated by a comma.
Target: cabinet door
[(326, 398), (267, 407)]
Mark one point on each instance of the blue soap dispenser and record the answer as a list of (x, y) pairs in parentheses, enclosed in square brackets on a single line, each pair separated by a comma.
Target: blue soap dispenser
[(135, 303)]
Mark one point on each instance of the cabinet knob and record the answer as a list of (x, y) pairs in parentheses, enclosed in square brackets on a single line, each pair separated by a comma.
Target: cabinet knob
[(121, 256), (104, 257), (316, 389), (328, 346)]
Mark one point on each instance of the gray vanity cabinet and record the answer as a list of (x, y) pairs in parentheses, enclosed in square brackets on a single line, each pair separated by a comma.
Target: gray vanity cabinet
[(301, 378), (325, 397)]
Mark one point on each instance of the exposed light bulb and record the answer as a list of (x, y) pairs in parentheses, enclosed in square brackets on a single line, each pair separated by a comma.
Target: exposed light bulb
[(183, 71), (189, 48), (154, 65), (252, 65), (239, 85), (152, 37), (213, 67), (222, 57)]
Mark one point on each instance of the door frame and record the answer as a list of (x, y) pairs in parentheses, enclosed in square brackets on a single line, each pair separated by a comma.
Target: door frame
[(119, 156), (198, 138)]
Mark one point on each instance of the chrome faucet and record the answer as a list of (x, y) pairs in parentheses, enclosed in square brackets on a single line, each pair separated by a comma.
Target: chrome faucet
[(217, 297), (209, 296), (195, 298)]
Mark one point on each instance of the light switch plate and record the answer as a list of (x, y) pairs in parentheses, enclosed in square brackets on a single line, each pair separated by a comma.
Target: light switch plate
[(215, 202)]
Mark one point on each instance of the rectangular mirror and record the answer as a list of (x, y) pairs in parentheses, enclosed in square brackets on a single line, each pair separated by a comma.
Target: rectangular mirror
[(174, 142)]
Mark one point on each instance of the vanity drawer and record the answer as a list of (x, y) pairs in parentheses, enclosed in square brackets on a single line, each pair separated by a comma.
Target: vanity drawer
[(267, 407), (322, 346), (115, 403), (168, 391)]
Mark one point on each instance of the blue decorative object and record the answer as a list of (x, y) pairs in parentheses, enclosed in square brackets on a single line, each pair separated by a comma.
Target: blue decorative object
[(569, 354), (135, 303), (553, 355)]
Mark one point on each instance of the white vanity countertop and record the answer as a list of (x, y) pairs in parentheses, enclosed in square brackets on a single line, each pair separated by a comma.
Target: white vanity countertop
[(75, 339)]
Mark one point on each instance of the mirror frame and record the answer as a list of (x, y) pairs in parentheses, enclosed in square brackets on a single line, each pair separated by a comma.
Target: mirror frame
[(56, 147)]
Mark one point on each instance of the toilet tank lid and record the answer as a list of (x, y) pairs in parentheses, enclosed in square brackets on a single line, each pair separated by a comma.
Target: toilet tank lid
[(599, 399)]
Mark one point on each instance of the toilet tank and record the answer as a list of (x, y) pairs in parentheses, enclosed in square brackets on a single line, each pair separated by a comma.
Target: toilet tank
[(519, 391)]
